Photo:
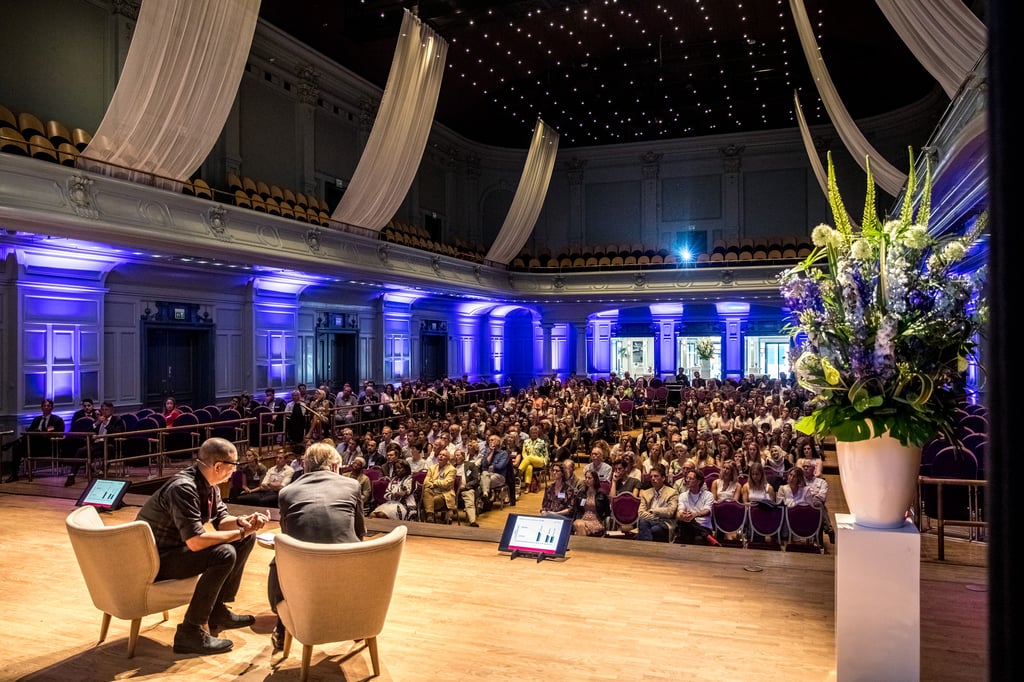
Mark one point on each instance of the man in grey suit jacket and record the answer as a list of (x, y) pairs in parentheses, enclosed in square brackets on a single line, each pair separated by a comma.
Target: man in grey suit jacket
[(320, 506), (657, 507)]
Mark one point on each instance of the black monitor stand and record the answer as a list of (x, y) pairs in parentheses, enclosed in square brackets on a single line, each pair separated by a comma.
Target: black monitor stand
[(540, 556)]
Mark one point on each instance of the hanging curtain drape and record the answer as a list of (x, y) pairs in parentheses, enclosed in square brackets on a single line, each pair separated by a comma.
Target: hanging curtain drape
[(886, 176), (944, 35), (526, 204), (395, 147), (178, 84), (812, 153)]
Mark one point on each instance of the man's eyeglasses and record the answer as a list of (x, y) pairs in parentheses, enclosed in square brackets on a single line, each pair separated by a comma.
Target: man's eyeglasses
[(232, 462)]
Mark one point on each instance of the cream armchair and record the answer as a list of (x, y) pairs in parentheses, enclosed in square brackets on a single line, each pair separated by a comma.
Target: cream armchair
[(119, 564), (319, 608)]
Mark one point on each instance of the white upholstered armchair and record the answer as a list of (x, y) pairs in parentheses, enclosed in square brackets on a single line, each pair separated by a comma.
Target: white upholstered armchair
[(119, 564), (318, 608)]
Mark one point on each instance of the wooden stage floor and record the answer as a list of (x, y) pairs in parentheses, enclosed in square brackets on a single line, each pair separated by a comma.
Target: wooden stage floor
[(614, 610)]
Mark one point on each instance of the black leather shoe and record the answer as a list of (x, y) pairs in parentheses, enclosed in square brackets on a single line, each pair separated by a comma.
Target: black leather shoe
[(192, 640), (70, 481), (11, 479), (277, 639), (223, 619)]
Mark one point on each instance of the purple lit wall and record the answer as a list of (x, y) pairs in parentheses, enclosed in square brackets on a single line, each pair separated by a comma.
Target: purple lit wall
[(60, 354)]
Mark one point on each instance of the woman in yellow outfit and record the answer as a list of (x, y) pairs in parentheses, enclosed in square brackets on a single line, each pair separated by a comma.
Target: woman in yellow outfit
[(534, 455)]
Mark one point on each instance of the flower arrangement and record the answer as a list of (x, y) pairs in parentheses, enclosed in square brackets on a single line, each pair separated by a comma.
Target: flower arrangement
[(883, 322), (705, 349)]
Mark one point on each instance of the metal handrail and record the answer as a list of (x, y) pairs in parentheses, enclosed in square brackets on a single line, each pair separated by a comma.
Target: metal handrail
[(973, 504)]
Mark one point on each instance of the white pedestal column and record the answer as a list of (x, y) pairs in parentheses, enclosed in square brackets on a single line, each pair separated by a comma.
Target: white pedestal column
[(878, 602)]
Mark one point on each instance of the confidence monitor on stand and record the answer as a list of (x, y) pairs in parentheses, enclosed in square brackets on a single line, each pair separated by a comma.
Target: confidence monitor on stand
[(542, 537), (104, 494)]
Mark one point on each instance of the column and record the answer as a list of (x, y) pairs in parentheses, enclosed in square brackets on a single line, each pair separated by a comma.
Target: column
[(546, 330), (650, 165), (731, 161), (471, 208), (309, 100), (581, 348), (575, 233)]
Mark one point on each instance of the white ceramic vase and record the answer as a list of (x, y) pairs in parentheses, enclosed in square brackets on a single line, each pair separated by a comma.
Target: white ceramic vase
[(879, 478)]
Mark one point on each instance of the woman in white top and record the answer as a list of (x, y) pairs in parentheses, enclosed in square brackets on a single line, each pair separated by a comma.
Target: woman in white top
[(727, 422), (715, 418), (757, 488), (726, 486), (416, 460), (654, 457), (793, 493)]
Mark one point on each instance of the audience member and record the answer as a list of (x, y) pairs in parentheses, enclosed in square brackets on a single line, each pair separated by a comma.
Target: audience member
[(598, 452), (622, 482), (693, 516), (726, 486), (105, 422), (439, 485), (45, 423), (817, 494), (657, 508), (794, 492), (248, 478), (592, 507), (357, 472), (399, 496), (469, 488), (559, 496), (276, 478), (87, 410), (757, 488), (171, 411), (496, 464), (534, 455)]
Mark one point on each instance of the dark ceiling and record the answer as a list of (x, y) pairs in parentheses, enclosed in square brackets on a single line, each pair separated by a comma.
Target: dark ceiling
[(607, 71)]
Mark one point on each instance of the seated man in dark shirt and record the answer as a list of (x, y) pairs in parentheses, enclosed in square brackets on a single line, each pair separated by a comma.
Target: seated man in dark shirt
[(46, 423), (321, 506), (177, 513)]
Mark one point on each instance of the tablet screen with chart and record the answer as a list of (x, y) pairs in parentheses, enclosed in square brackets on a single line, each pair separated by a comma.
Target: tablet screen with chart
[(103, 494), (548, 535)]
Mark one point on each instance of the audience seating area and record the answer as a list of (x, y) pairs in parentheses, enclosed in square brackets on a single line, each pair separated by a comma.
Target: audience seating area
[(406, 234), (285, 202), (25, 134), (733, 252)]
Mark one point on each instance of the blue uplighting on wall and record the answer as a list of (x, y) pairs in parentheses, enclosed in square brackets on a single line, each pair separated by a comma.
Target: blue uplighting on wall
[(732, 308)]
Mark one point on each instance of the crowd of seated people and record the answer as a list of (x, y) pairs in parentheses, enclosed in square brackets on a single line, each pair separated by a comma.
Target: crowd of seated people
[(466, 448), (464, 451)]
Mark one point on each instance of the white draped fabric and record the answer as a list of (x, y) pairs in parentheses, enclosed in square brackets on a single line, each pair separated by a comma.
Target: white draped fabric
[(395, 147), (529, 197), (944, 35), (812, 153), (179, 81), (886, 175)]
